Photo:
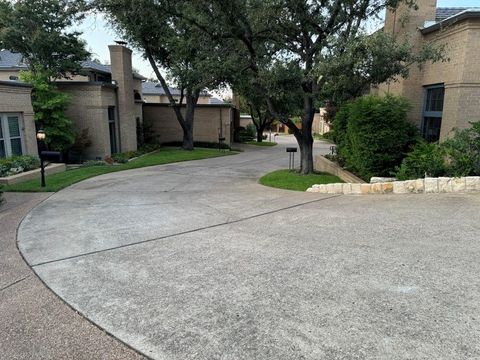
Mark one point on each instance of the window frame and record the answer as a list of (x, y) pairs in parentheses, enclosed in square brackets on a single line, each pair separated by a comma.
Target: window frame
[(6, 132), (431, 114)]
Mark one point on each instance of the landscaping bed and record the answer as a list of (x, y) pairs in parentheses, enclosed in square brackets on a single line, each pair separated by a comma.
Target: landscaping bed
[(263, 143), (59, 181), (293, 180)]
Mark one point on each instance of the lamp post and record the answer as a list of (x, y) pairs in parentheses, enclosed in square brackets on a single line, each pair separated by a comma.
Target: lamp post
[(41, 139)]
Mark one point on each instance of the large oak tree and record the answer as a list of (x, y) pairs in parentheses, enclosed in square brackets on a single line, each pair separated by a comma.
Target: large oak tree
[(313, 41)]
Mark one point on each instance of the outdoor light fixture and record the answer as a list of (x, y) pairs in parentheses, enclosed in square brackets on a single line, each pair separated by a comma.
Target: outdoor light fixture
[(41, 135)]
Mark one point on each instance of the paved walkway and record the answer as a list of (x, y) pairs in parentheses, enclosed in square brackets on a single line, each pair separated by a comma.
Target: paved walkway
[(198, 261), (34, 322)]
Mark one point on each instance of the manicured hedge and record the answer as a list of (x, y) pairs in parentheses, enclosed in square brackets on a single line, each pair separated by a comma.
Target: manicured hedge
[(373, 135)]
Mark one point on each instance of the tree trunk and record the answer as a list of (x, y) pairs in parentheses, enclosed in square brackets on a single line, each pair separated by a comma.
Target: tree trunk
[(306, 153), (305, 141), (187, 143), (260, 131)]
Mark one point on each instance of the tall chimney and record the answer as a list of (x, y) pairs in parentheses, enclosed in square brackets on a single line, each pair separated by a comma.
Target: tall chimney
[(122, 74)]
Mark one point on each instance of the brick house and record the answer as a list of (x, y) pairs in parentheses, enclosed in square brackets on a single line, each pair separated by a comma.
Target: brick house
[(107, 100), (444, 95)]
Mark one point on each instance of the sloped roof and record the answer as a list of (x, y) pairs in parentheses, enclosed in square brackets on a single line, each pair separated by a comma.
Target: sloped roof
[(10, 60), (444, 13), (95, 66), (446, 16), (154, 88), (215, 100)]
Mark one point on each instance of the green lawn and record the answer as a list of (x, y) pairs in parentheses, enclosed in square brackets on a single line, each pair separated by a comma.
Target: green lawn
[(292, 180), (263, 143), (59, 181)]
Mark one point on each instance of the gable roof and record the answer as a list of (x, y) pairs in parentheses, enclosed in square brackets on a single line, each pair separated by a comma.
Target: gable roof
[(14, 61), (154, 88)]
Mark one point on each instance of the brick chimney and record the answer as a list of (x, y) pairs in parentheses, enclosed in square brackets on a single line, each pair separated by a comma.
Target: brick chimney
[(122, 74), (406, 21)]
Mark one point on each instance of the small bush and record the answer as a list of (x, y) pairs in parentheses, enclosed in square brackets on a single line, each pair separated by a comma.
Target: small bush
[(463, 151), (328, 135), (120, 158), (373, 135), (248, 134), (17, 164), (424, 159), (200, 144), (91, 163)]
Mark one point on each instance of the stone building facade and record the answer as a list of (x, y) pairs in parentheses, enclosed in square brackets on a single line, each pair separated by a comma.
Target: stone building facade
[(17, 126), (446, 94), (108, 101)]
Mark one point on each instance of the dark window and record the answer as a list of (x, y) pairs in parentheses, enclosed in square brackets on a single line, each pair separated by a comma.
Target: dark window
[(112, 129), (432, 112), (13, 77), (434, 101), (2, 142), (111, 113)]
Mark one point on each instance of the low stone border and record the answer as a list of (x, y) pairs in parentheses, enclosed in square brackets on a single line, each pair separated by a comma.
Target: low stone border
[(419, 186), (32, 174)]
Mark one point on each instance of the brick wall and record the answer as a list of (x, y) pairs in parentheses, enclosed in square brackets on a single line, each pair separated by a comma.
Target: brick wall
[(16, 98), (208, 121), (460, 75), (88, 109)]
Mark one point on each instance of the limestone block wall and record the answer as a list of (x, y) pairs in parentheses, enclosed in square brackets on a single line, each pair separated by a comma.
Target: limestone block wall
[(209, 122), (322, 164), (418, 186), (16, 98)]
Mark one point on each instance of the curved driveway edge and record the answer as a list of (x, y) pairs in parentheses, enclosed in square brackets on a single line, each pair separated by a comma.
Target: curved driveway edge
[(35, 323), (198, 261)]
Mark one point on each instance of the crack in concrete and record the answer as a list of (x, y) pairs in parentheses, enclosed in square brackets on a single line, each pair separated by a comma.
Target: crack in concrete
[(14, 283), (182, 233)]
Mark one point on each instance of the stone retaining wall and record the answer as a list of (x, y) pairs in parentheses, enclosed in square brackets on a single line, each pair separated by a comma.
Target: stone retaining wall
[(32, 174), (427, 185), (322, 164)]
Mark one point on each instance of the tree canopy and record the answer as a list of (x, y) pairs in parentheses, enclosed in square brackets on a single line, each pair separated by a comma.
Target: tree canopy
[(318, 49), (40, 31), (191, 60)]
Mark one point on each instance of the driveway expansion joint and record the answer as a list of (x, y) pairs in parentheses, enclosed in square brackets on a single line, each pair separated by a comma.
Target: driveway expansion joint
[(183, 232)]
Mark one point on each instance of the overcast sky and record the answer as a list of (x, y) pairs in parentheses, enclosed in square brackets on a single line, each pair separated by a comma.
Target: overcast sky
[(98, 36)]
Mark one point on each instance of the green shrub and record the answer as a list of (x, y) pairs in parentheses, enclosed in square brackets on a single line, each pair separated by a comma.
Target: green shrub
[(200, 144), (423, 159), (17, 164), (120, 158), (373, 135), (91, 163), (463, 151), (248, 134), (328, 135)]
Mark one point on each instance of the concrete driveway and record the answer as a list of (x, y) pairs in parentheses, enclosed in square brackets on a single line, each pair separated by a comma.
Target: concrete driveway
[(197, 261)]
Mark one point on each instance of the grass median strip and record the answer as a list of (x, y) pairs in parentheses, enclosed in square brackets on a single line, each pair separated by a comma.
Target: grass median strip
[(293, 180), (59, 181)]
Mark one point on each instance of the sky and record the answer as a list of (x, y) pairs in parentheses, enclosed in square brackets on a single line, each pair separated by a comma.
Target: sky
[(98, 35)]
